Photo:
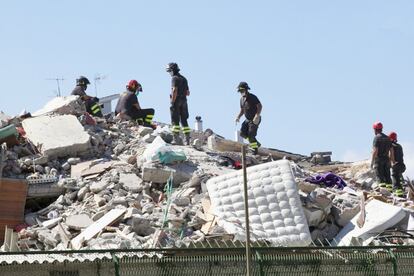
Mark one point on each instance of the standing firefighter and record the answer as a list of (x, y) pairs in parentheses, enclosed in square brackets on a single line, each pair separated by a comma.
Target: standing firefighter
[(380, 160), (397, 165), (91, 103), (251, 108), (179, 107), (128, 106)]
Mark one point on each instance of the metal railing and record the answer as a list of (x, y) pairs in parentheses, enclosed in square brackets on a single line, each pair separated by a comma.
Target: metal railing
[(384, 260)]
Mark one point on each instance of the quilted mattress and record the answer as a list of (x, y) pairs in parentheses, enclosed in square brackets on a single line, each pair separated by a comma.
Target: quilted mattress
[(275, 208)]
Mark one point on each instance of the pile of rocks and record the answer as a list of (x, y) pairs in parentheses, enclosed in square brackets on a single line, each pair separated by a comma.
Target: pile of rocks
[(111, 196)]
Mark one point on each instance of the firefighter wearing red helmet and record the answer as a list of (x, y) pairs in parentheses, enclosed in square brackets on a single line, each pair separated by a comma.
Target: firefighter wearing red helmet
[(397, 165), (128, 106), (381, 152)]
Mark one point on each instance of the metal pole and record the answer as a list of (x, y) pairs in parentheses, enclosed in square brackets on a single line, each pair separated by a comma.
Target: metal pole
[(246, 211)]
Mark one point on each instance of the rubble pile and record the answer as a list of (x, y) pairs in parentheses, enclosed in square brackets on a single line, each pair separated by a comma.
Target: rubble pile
[(121, 185)]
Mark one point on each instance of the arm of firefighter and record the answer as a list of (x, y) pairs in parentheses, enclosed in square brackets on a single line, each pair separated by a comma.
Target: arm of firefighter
[(392, 156), (239, 115), (174, 94), (259, 109), (374, 155)]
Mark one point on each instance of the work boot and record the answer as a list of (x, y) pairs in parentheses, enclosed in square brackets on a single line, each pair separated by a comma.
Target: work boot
[(187, 139), (177, 140), (398, 192)]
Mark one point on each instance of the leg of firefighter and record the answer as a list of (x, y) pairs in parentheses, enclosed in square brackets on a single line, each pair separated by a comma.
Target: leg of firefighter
[(148, 115), (396, 180), (184, 122), (254, 144), (175, 122)]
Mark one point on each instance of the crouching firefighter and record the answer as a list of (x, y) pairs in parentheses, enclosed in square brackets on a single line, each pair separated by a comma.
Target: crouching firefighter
[(251, 108), (91, 103), (179, 107), (128, 107)]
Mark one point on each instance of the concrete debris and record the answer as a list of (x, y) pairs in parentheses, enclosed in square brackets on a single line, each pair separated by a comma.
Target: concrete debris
[(57, 136), (110, 190), (78, 222), (62, 106)]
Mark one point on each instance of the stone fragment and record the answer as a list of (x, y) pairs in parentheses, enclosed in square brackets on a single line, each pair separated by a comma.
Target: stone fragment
[(100, 201), (97, 187), (131, 182), (82, 192), (142, 131), (141, 226), (149, 138), (73, 161), (78, 222), (66, 166)]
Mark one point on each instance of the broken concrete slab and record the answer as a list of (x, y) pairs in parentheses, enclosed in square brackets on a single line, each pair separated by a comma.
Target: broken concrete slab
[(57, 136), (4, 119), (62, 105), (379, 217), (154, 174), (94, 167), (345, 208), (78, 222), (131, 182)]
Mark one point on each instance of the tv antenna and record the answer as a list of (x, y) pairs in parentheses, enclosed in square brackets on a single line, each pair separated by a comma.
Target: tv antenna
[(57, 80), (97, 79)]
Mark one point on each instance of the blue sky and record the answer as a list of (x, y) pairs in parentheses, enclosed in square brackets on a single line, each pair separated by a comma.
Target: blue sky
[(324, 70)]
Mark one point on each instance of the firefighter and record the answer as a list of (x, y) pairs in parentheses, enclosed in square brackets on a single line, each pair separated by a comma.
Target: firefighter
[(179, 107), (91, 103), (397, 165), (128, 106), (251, 108), (381, 155)]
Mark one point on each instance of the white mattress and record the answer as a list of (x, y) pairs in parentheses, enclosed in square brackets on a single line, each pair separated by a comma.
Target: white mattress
[(275, 209)]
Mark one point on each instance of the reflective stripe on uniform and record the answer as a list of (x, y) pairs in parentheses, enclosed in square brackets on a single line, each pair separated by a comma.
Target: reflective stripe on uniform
[(148, 118), (95, 108), (176, 129), (186, 130), (254, 145)]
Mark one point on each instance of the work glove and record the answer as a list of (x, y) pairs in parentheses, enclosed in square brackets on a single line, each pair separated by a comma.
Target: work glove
[(256, 119)]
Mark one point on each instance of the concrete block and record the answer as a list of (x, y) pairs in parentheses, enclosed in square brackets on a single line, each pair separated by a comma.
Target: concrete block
[(78, 222), (314, 216), (131, 182), (62, 105), (57, 136), (161, 175)]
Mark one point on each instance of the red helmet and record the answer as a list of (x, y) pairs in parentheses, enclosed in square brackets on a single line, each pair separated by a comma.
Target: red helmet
[(134, 86), (393, 136), (377, 126)]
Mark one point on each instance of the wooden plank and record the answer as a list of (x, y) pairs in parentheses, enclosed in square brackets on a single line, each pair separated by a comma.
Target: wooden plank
[(13, 193), (97, 227), (210, 218)]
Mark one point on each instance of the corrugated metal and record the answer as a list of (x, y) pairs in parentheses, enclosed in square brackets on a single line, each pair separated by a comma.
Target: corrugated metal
[(13, 194), (50, 258)]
